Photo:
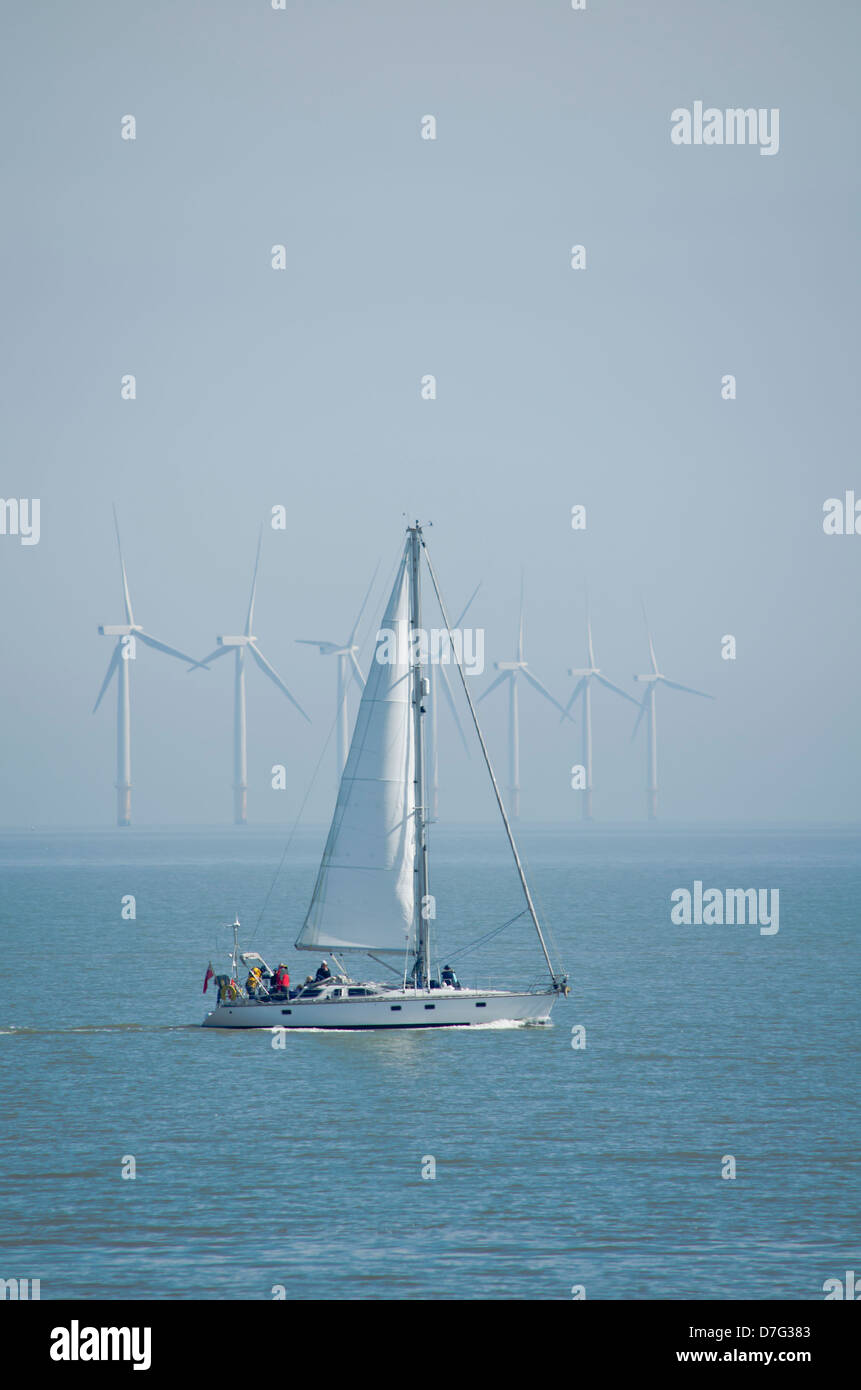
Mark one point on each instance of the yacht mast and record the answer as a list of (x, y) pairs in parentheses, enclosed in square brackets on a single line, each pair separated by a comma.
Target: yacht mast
[(418, 694)]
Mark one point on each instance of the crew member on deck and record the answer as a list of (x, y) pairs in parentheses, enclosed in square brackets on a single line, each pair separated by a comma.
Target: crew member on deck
[(282, 982), (323, 972), (253, 982), (449, 977)]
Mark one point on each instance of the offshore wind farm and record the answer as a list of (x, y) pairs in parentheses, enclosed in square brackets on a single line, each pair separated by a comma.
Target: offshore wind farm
[(444, 654)]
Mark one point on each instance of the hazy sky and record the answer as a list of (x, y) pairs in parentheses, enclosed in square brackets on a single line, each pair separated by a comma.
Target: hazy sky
[(451, 256)]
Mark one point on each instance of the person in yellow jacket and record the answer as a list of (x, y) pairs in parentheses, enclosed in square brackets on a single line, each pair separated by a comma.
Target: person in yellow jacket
[(252, 984)]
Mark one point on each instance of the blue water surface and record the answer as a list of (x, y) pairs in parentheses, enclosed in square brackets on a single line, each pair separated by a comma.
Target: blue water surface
[(260, 1169)]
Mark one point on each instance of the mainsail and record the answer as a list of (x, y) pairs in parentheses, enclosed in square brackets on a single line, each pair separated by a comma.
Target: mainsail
[(364, 897)]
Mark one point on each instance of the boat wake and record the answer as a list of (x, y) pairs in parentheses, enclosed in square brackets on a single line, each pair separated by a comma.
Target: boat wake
[(511, 1023), (23, 1031)]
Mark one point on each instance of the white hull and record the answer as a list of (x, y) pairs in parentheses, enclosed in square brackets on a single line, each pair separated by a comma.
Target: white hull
[(438, 1008)]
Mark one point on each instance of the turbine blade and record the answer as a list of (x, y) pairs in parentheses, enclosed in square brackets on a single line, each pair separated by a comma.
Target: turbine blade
[(362, 609), (452, 706), (163, 647), (520, 627), (250, 618), (589, 636), (213, 656), (535, 682), (493, 685), (356, 671), (651, 643), (618, 689), (643, 706), (578, 687), (326, 648), (468, 604), (112, 666), (689, 690), (274, 676), (126, 597)]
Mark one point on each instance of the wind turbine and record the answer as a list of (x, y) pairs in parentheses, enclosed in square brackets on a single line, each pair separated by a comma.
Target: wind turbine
[(511, 672), (446, 685), (348, 666), (647, 705), (128, 634), (583, 690), (245, 642)]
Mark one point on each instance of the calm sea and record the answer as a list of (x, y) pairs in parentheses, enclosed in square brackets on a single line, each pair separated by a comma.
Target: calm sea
[(555, 1166)]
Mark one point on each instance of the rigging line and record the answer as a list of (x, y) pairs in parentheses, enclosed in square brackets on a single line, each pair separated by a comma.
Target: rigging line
[(488, 936), (540, 902), (382, 962), (524, 885), (299, 814)]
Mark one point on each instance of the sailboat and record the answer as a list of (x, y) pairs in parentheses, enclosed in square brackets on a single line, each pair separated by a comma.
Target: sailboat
[(372, 895)]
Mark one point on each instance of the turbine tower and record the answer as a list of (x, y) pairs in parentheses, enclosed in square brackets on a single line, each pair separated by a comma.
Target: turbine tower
[(128, 634), (347, 667), (511, 672), (583, 691), (647, 706), (245, 642), (434, 723)]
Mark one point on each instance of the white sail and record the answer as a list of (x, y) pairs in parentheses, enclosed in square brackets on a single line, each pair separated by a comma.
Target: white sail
[(364, 897)]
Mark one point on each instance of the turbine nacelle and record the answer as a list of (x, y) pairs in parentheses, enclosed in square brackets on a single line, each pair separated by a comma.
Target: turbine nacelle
[(235, 641), (119, 629), (509, 665)]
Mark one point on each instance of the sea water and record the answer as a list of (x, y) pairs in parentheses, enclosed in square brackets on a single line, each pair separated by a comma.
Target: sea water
[(264, 1171)]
